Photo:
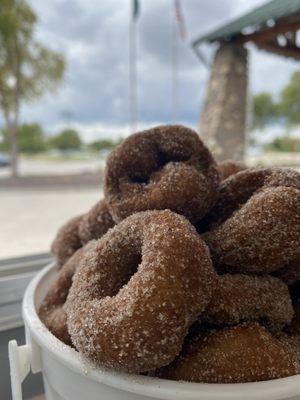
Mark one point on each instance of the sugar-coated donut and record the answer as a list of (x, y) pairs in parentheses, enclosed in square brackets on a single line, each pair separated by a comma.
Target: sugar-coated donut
[(243, 298), (95, 223), (138, 290), (244, 353), (236, 190), (67, 241), (291, 337), (291, 342), (167, 167), (262, 236), (80, 230), (51, 311), (230, 167)]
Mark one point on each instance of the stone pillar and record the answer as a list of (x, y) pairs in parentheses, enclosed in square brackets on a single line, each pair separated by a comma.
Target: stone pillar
[(223, 120)]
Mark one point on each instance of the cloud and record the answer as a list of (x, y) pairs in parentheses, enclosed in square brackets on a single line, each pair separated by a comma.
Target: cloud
[(93, 35)]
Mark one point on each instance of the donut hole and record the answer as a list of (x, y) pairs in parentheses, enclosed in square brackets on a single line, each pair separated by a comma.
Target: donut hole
[(133, 268), (141, 180), (128, 272), (163, 159)]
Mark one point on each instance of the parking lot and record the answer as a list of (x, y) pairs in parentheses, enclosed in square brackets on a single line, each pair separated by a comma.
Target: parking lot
[(29, 219)]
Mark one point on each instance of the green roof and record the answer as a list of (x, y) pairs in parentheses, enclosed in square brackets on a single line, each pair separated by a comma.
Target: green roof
[(273, 10)]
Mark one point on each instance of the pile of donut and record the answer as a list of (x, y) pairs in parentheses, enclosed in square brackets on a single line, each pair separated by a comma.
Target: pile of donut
[(186, 270)]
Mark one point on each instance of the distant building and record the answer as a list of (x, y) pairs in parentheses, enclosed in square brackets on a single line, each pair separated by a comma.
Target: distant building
[(271, 27)]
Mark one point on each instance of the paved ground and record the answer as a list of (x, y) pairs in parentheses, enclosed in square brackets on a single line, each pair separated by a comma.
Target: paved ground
[(29, 219), (46, 182), (37, 166)]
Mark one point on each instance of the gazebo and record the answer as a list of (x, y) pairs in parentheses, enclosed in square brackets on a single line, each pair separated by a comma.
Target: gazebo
[(272, 27)]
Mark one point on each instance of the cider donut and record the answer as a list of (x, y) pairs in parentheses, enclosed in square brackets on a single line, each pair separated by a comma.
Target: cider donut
[(243, 298), (260, 237), (167, 167), (291, 342), (67, 241), (138, 290), (244, 353), (230, 167), (80, 230), (95, 223), (51, 311), (236, 190)]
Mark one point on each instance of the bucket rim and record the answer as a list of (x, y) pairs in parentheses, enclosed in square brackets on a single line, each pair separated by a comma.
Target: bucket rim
[(275, 389)]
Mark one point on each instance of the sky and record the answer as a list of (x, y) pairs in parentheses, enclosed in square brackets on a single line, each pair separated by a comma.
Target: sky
[(94, 37)]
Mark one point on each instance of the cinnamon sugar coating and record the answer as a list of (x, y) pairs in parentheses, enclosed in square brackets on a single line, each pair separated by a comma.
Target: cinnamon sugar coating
[(230, 167), (138, 290), (291, 342), (51, 311), (243, 298), (244, 353), (292, 335), (67, 241), (236, 190), (167, 167), (261, 236), (95, 223), (80, 230)]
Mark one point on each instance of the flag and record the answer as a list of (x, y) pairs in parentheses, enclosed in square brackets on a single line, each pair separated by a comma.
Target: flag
[(180, 19), (135, 9)]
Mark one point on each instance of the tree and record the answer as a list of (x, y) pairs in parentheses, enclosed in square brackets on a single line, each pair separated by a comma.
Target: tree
[(27, 68), (30, 139), (264, 110), (289, 105), (287, 144), (103, 144), (68, 139)]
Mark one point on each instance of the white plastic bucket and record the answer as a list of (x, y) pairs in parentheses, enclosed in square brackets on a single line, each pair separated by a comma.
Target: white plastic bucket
[(68, 377)]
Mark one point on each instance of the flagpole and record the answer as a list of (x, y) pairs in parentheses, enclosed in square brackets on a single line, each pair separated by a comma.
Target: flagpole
[(174, 71), (132, 74)]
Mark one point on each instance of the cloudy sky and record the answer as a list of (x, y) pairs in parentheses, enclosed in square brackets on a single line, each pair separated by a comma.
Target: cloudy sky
[(93, 35)]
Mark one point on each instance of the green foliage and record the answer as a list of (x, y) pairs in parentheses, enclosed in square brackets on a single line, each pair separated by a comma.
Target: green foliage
[(30, 139), (27, 68), (103, 144), (3, 141), (285, 144), (68, 139), (264, 110), (289, 105)]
